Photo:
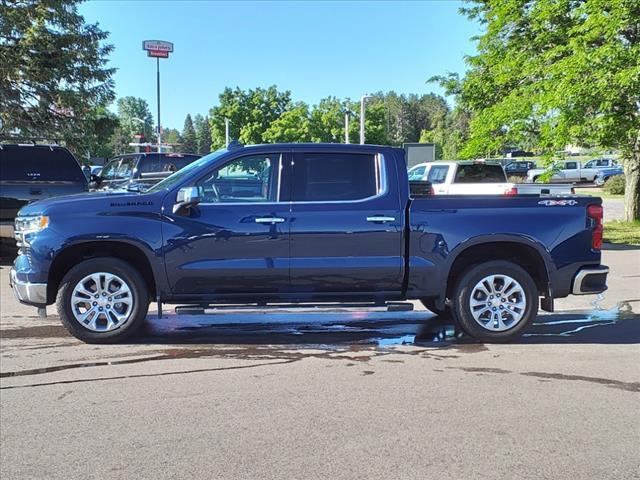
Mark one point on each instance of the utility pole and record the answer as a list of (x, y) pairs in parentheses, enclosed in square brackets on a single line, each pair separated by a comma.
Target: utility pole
[(226, 132), (362, 115)]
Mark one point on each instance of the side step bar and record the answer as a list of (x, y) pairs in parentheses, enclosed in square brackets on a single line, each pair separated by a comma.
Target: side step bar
[(201, 309)]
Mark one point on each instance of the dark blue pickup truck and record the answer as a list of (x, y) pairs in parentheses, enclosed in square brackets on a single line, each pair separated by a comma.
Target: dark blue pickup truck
[(304, 223)]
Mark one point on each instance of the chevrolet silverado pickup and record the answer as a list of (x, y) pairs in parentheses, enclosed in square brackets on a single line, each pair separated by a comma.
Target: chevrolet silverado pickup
[(290, 223)]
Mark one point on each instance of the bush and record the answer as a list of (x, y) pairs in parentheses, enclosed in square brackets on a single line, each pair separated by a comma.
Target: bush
[(614, 185), (514, 179)]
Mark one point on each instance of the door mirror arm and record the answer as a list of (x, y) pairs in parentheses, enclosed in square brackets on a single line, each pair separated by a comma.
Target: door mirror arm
[(187, 197)]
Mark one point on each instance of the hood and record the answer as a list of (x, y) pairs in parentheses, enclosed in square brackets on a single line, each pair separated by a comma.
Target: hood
[(92, 201)]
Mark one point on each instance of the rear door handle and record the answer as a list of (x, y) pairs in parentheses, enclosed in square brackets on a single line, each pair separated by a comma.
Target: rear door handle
[(381, 219), (270, 220)]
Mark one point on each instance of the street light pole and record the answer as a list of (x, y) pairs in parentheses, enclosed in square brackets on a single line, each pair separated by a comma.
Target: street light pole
[(346, 126), (362, 100), (226, 131)]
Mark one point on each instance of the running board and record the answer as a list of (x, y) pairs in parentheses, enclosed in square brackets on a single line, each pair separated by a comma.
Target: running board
[(201, 309)]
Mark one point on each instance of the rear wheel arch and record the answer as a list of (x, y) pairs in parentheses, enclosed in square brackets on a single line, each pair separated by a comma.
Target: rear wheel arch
[(72, 255), (525, 255)]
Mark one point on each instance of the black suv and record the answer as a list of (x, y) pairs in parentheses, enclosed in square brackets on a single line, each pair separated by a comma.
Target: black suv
[(34, 172), (139, 171)]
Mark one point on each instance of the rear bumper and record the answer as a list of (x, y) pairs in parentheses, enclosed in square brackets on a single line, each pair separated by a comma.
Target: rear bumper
[(26, 292), (590, 280)]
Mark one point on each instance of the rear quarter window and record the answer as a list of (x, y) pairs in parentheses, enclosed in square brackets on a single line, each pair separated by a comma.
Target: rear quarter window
[(480, 173), (438, 174), (39, 164)]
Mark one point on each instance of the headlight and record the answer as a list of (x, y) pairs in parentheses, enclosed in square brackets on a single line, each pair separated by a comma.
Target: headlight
[(31, 223)]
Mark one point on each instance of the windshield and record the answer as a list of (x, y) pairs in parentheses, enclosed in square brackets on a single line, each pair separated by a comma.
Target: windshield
[(119, 168), (177, 177)]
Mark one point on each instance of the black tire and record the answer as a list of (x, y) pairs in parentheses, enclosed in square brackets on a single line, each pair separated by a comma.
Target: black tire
[(430, 304), (463, 290), (133, 279)]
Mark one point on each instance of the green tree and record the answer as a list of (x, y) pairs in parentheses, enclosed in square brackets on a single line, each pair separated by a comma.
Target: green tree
[(100, 127), (292, 126), (203, 134), (558, 72), (172, 136), (135, 119), (326, 122), (189, 141), (53, 71), (250, 112)]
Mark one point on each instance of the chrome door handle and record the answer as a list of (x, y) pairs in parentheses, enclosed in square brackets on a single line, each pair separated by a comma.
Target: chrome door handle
[(380, 218), (271, 220)]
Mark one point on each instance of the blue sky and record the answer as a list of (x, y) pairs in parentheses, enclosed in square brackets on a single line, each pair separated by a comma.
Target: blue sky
[(314, 49)]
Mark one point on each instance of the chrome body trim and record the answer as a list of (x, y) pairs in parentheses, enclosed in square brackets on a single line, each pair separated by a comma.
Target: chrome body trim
[(582, 275), (26, 292)]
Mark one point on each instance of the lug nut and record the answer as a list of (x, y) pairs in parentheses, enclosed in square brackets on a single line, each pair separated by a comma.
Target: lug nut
[(96, 296), (109, 298), (100, 308), (109, 306), (104, 294), (501, 307), (494, 309), (95, 303)]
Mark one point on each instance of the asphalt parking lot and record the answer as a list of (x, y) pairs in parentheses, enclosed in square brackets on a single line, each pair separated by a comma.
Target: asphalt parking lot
[(339, 394)]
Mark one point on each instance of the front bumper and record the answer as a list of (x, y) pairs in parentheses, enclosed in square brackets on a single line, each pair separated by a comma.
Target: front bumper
[(27, 292), (590, 280)]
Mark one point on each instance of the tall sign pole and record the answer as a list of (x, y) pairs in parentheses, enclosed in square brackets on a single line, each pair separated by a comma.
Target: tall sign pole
[(158, 49), (158, 93)]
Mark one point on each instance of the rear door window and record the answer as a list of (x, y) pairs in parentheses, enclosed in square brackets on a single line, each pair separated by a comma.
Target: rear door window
[(480, 173), (39, 164), (438, 174), (319, 177)]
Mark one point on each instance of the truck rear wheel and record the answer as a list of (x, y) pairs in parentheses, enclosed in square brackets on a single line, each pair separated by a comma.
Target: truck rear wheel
[(102, 300), (495, 301)]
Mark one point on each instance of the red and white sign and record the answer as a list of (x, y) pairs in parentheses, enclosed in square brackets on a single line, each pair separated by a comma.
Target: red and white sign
[(157, 48)]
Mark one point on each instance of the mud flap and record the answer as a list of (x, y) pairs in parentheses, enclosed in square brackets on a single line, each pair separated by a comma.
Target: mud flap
[(546, 302)]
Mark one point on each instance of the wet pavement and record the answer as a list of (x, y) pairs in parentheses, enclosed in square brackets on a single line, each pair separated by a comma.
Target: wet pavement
[(340, 393)]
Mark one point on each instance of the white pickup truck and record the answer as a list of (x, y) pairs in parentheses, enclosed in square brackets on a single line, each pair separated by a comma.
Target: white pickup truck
[(476, 177), (569, 171)]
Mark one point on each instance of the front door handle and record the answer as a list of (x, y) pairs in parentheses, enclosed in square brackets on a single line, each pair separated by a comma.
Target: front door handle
[(270, 220), (381, 219)]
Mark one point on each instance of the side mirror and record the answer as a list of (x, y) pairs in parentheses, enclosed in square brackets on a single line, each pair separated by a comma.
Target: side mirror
[(97, 179), (187, 197)]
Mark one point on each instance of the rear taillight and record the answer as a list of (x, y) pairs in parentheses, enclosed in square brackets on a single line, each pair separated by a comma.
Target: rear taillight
[(594, 212), (509, 192)]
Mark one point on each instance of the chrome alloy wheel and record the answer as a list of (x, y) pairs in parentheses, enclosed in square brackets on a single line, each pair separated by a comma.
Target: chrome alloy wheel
[(101, 302), (498, 303)]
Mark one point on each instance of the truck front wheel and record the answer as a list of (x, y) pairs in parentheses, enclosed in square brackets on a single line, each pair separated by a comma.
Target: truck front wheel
[(495, 301), (102, 300)]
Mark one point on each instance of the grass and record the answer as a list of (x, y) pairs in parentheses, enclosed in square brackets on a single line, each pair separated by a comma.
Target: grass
[(627, 233)]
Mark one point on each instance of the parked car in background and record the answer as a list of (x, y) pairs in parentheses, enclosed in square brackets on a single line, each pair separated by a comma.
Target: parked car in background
[(476, 177), (605, 174), (307, 223), (601, 163), (518, 168), (140, 170), (34, 172), (565, 171)]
